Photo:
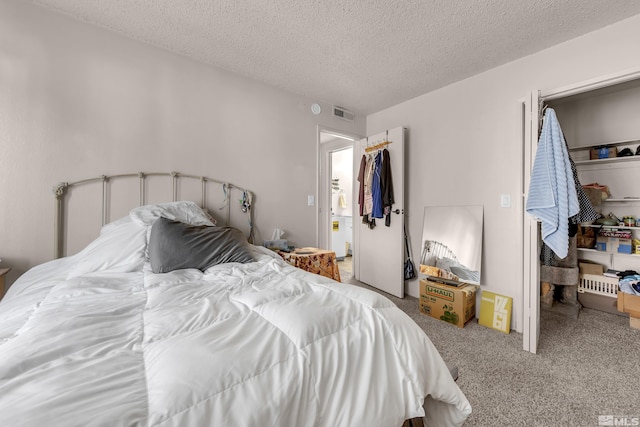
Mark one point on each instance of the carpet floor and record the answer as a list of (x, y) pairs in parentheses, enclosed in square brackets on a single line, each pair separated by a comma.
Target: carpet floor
[(586, 372)]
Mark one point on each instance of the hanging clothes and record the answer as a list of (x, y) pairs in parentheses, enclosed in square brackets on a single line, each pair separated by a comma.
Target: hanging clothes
[(376, 191), (368, 198), (587, 213), (552, 192), (386, 184)]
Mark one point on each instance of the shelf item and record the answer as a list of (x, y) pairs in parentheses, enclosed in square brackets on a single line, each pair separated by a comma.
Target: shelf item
[(604, 152), (599, 285)]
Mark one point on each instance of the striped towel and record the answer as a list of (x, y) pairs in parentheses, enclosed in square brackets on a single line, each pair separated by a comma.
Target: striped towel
[(552, 193)]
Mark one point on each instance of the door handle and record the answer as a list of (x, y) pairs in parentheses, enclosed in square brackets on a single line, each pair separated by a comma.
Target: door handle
[(397, 211)]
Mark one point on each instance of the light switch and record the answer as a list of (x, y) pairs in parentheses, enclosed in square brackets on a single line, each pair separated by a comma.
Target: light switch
[(505, 201), (310, 200)]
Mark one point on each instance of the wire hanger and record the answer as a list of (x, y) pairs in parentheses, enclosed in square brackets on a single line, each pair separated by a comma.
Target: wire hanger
[(542, 109)]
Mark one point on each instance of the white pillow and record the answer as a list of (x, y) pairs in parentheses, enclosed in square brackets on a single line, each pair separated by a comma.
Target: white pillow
[(120, 248), (107, 227), (183, 211)]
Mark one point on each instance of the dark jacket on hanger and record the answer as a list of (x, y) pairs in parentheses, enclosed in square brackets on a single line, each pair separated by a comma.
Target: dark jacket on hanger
[(386, 187)]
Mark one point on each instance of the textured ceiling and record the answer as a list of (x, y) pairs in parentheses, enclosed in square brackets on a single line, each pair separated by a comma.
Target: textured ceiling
[(364, 55)]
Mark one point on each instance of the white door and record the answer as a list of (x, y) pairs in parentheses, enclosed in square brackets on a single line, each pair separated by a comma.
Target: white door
[(379, 252), (530, 233)]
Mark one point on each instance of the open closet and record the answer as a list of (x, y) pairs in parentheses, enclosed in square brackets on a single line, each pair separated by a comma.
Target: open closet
[(601, 126)]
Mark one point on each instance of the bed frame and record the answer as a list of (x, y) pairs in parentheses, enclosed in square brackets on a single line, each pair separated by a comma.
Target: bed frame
[(62, 190), (178, 180)]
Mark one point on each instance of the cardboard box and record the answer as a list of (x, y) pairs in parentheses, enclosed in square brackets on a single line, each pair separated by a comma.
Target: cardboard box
[(495, 311), (587, 267), (613, 244), (628, 303), (602, 153), (452, 304), (600, 303)]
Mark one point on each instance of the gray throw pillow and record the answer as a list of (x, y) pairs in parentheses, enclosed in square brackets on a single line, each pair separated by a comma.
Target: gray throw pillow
[(174, 245)]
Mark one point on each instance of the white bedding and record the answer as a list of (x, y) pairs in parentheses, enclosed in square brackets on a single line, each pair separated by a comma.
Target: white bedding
[(98, 339)]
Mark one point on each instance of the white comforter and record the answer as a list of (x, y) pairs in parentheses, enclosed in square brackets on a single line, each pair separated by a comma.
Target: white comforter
[(257, 344)]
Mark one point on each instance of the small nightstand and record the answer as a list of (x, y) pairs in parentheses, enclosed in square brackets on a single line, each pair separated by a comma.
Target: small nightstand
[(3, 272), (314, 260)]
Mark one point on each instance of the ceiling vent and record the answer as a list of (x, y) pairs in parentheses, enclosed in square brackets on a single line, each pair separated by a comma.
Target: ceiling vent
[(342, 113)]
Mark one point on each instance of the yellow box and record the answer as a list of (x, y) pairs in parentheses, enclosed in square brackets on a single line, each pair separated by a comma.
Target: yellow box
[(452, 304), (495, 311)]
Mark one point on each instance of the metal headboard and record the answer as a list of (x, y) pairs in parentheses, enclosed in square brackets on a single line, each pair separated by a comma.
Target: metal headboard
[(60, 191)]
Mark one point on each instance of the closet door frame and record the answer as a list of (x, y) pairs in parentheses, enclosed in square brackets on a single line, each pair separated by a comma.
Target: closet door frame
[(530, 232), (531, 229)]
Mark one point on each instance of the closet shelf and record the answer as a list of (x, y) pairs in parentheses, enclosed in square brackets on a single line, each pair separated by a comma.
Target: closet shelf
[(607, 253), (609, 144), (626, 159), (608, 226), (623, 200)]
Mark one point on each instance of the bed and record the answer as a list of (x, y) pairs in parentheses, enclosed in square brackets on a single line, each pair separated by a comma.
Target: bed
[(129, 332)]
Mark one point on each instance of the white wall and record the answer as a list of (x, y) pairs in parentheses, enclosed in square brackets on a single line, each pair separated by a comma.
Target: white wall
[(464, 142), (78, 101)]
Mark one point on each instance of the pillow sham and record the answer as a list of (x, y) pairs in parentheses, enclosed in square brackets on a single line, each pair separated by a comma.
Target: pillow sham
[(183, 211), (115, 224), (119, 248), (174, 245)]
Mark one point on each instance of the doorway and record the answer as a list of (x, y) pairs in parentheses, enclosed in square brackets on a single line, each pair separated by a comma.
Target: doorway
[(340, 164), (336, 198)]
